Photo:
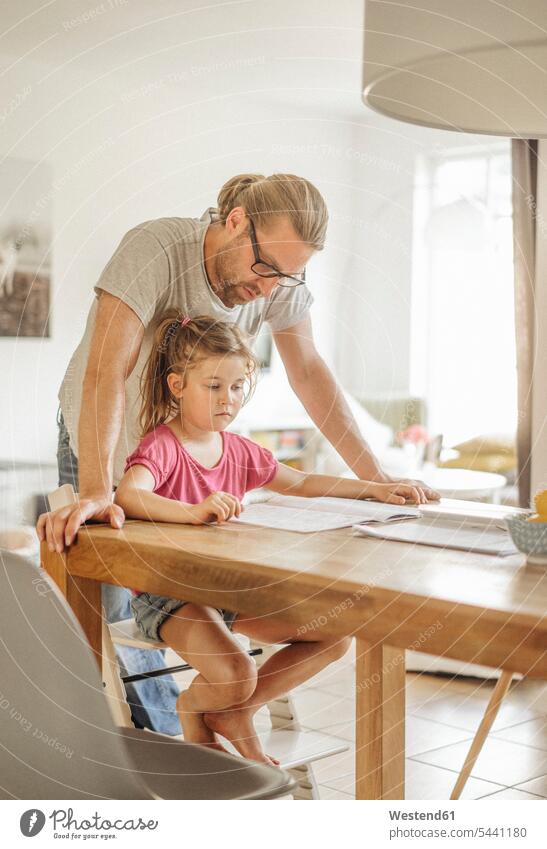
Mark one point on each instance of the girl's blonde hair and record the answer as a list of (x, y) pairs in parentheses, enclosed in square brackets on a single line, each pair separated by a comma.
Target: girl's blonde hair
[(179, 343), (279, 195)]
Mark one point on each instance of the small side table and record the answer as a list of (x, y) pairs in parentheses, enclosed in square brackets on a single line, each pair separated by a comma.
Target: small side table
[(464, 484)]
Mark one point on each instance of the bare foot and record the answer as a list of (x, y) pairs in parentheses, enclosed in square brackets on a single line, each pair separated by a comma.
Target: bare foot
[(194, 729), (237, 726)]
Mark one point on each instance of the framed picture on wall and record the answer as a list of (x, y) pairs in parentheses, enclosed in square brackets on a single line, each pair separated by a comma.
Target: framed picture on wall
[(25, 248)]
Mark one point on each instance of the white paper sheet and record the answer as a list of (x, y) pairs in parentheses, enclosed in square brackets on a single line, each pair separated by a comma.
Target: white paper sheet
[(461, 534)]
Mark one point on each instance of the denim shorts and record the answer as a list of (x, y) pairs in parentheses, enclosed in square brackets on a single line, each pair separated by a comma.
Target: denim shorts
[(151, 611)]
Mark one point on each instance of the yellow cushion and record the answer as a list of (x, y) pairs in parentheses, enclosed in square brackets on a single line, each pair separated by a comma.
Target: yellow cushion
[(489, 443), (499, 463)]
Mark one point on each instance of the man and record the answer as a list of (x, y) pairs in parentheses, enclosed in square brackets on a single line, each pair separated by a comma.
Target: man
[(242, 262)]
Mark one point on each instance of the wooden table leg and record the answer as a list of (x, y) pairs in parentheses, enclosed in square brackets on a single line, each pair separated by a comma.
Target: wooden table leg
[(380, 722), (499, 693), (82, 594)]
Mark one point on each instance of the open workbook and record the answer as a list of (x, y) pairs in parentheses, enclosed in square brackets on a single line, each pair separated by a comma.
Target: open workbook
[(306, 515), (465, 525)]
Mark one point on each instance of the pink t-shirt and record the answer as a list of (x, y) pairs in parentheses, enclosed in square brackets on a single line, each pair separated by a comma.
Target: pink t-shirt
[(244, 465)]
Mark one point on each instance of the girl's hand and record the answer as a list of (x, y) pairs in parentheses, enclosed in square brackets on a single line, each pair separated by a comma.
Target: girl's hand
[(396, 493), (217, 507)]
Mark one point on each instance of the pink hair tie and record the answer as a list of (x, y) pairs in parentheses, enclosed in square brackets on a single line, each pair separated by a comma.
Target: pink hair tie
[(185, 320)]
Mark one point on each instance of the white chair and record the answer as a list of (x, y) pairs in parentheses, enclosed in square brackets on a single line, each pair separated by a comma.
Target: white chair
[(57, 738), (296, 749)]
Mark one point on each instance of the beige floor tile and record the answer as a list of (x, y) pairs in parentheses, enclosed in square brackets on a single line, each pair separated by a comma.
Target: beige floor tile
[(466, 711), (536, 785), (341, 671), (531, 733), (345, 730), (499, 761), (421, 734), (327, 769), (317, 709), (422, 687), (526, 693), (262, 719), (529, 693), (340, 684), (511, 793), (424, 782), (342, 783), (329, 793)]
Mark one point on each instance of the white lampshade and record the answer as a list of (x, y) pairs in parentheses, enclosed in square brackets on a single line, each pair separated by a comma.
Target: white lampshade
[(475, 66)]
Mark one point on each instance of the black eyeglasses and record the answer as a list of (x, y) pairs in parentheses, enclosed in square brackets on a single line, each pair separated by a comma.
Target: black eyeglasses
[(264, 269)]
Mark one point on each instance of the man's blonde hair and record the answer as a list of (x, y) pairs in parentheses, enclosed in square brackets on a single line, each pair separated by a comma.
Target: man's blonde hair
[(280, 195)]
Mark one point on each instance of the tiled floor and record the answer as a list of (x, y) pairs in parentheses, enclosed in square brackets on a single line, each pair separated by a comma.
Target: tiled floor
[(442, 716)]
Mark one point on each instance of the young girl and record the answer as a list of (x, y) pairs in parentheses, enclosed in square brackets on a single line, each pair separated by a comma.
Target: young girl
[(189, 469)]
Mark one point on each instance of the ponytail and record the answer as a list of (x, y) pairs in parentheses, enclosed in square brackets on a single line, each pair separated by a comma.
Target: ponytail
[(280, 195), (179, 342)]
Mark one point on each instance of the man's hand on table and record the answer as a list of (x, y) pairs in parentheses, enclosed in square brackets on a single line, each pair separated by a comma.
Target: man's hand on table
[(59, 527), (430, 494)]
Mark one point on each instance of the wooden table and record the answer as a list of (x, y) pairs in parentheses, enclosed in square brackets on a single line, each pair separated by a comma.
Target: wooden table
[(391, 596)]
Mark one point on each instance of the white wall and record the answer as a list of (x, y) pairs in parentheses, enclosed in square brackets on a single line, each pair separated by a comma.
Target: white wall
[(143, 110), (148, 124)]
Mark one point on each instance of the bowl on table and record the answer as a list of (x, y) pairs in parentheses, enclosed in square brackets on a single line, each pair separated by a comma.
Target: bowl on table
[(529, 537)]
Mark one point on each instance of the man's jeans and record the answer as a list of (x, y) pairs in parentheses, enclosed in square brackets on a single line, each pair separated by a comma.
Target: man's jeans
[(152, 701)]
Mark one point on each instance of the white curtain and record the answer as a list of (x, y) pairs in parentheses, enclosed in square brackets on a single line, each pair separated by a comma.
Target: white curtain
[(524, 164)]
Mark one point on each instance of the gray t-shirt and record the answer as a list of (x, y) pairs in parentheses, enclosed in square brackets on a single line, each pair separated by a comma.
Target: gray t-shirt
[(157, 266)]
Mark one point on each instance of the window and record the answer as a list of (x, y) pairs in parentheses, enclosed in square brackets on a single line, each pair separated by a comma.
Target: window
[(463, 335)]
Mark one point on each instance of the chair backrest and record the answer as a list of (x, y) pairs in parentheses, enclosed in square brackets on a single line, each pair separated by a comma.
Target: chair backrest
[(57, 738), (61, 497)]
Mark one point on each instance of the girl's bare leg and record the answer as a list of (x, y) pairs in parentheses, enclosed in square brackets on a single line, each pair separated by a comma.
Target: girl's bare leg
[(227, 675), (306, 655)]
